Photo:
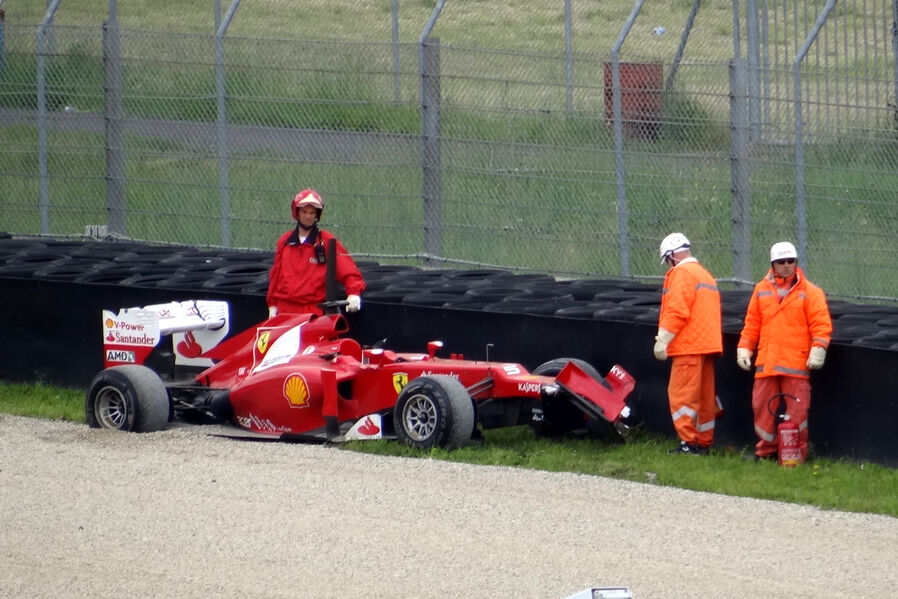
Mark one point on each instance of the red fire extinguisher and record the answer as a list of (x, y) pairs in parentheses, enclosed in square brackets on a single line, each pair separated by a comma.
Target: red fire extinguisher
[(787, 441)]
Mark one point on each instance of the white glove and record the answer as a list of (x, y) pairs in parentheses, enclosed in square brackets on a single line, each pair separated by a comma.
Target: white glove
[(816, 357), (662, 340), (743, 357), (354, 303), (272, 311)]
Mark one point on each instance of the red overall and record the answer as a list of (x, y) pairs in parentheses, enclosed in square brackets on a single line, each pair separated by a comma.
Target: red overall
[(296, 282)]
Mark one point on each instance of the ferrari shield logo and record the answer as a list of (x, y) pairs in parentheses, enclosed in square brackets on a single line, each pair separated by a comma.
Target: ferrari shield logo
[(262, 342), (296, 391), (400, 380)]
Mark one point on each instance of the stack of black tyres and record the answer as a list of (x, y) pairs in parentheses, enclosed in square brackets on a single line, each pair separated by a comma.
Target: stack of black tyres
[(185, 268)]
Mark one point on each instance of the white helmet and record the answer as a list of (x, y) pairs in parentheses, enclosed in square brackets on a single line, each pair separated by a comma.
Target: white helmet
[(782, 249), (672, 243)]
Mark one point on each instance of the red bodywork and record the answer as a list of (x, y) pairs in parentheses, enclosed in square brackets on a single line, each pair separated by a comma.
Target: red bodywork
[(298, 374), (290, 373)]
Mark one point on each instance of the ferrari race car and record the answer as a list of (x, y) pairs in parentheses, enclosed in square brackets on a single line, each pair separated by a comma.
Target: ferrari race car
[(300, 377)]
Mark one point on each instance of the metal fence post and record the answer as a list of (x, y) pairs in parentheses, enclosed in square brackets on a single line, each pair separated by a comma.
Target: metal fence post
[(895, 56), (432, 159), (394, 14), (221, 127), (753, 53), (112, 117), (43, 170), (622, 213), (569, 57), (801, 208), (740, 169), (429, 73), (2, 44), (690, 21), (737, 46)]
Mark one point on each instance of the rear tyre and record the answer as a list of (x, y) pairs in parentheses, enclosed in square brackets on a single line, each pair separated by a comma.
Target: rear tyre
[(434, 411), (127, 398), (560, 417)]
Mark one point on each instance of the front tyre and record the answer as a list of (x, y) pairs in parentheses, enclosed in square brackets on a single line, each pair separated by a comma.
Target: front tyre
[(127, 398), (434, 411)]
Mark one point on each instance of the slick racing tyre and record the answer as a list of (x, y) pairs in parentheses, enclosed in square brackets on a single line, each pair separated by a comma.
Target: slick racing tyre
[(127, 398), (434, 411), (560, 417)]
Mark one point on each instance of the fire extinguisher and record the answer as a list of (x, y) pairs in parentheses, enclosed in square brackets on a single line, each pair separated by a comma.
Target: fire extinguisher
[(787, 440)]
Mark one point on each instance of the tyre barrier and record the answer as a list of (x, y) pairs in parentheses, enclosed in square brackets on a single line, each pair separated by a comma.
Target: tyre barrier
[(585, 311), (257, 287), (490, 294), (589, 288), (622, 295), (471, 277), (261, 257), (105, 275), (423, 277), (466, 304), (66, 270), (185, 268), (649, 315), (881, 339), (431, 298), (383, 295), (532, 303), (244, 269), (732, 324), (232, 283), (647, 300), (620, 314), (846, 334), (889, 322), (146, 280), (185, 281), (38, 258), (12, 247), (203, 262), (518, 280)]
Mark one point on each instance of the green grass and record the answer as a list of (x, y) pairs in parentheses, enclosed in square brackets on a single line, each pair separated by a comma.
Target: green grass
[(828, 484), (42, 401)]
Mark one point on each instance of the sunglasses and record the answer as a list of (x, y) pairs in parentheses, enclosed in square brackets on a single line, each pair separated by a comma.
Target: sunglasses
[(785, 261)]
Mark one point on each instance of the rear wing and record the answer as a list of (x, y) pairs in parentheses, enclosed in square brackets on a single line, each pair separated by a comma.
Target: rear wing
[(195, 326)]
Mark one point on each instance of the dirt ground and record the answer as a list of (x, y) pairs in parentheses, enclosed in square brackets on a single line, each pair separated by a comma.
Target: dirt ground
[(185, 513)]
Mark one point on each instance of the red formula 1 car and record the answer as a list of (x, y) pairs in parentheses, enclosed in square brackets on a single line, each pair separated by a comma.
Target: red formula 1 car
[(299, 377)]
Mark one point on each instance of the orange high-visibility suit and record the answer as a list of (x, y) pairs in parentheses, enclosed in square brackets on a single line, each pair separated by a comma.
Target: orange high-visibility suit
[(690, 308), (783, 332)]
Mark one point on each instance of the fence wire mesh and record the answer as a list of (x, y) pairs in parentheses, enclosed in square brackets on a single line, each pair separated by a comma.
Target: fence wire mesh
[(514, 136)]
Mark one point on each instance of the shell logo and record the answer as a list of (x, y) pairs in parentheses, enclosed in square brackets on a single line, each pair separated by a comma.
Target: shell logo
[(109, 323), (296, 390)]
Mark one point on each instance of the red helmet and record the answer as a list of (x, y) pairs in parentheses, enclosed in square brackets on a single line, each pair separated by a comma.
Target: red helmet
[(307, 197)]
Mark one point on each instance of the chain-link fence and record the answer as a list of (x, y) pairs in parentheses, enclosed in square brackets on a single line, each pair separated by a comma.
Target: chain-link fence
[(564, 136)]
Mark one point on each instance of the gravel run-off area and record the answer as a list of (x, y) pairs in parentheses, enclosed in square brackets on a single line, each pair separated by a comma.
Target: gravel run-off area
[(189, 513)]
